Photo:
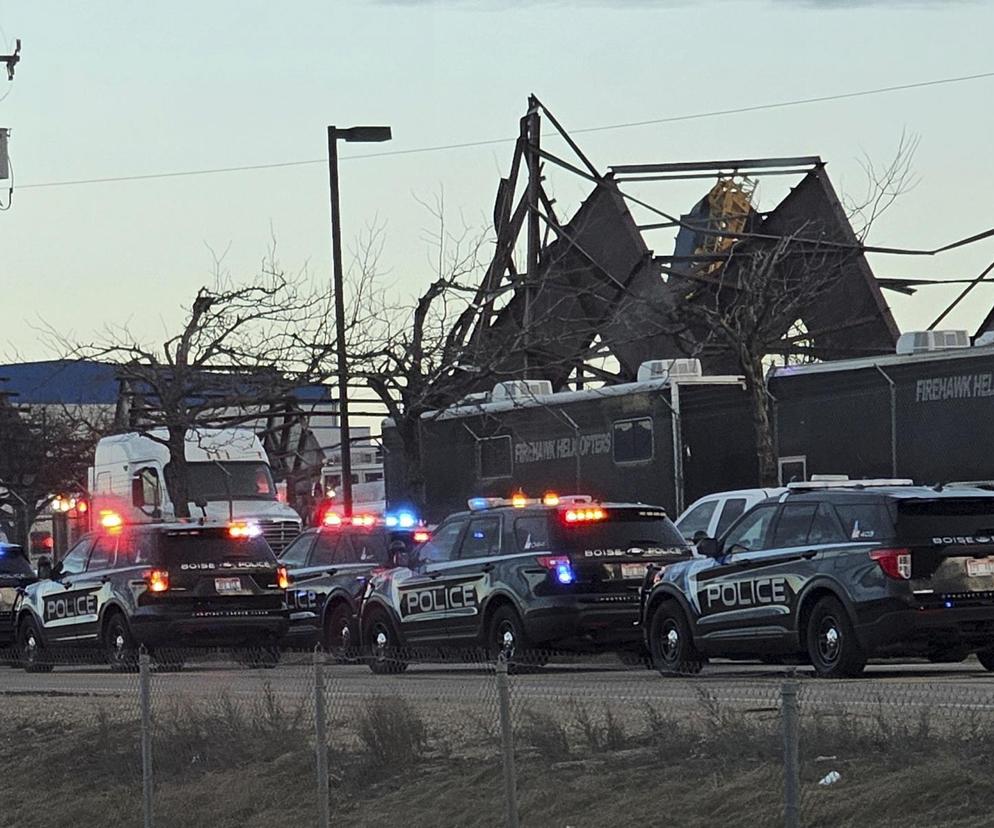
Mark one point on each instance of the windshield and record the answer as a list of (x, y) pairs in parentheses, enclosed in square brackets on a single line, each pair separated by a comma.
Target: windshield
[(13, 562), (245, 481), (212, 546)]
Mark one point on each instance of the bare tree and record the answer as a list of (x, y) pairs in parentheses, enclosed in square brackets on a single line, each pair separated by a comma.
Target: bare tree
[(241, 352), (44, 451)]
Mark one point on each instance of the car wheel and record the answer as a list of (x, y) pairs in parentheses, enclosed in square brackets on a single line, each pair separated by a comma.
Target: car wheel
[(339, 634), (381, 638), (833, 647), (671, 645), (506, 635), (31, 648), (119, 646), (986, 659)]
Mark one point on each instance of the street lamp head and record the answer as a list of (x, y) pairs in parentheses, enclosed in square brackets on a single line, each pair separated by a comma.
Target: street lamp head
[(363, 134)]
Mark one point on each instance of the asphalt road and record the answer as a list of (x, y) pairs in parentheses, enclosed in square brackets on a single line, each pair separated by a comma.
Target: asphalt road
[(898, 686)]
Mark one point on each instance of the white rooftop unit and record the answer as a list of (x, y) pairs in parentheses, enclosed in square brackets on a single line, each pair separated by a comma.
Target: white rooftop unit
[(521, 389), (671, 369), (923, 342)]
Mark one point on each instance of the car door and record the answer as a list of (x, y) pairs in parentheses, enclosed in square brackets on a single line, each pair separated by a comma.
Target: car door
[(468, 576), (765, 588), (424, 593), (69, 601), (307, 559), (717, 589)]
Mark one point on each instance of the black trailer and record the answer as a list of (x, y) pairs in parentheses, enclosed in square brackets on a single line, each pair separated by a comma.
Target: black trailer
[(664, 442), (927, 416)]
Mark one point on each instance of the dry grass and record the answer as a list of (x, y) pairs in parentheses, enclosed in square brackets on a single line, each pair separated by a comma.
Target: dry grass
[(226, 764)]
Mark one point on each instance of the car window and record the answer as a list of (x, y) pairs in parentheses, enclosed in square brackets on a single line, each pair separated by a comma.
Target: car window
[(104, 553), (734, 507), (482, 538), (825, 528), (363, 547), (751, 531), (299, 550), (532, 533), (793, 525), (697, 519), (323, 553), (443, 543), (75, 560), (13, 561), (865, 521)]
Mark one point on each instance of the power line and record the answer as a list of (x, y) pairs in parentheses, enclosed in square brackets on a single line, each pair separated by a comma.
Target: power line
[(493, 141)]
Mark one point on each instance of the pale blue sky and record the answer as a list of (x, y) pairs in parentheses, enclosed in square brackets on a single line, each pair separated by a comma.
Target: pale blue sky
[(112, 88)]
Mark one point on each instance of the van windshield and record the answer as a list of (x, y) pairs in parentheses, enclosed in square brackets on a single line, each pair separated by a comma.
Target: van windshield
[(242, 481)]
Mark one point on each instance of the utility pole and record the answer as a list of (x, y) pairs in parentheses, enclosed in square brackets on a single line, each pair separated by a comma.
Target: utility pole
[(363, 134), (533, 129)]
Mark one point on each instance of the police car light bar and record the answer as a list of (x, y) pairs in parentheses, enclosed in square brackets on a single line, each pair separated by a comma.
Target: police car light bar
[(477, 504), (813, 485), (244, 529)]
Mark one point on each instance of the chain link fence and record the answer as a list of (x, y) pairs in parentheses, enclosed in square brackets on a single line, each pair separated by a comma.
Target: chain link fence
[(237, 739)]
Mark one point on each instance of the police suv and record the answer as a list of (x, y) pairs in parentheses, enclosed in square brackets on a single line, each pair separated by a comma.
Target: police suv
[(15, 574), (836, 573), (521, 574), (164, 586), (329, 566)]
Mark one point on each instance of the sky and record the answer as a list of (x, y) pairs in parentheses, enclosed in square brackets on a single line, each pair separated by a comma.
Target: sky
[(115, 89)]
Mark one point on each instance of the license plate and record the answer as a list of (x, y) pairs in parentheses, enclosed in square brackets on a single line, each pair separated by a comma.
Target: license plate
[(633, 570), (227, 585), (979, 567)]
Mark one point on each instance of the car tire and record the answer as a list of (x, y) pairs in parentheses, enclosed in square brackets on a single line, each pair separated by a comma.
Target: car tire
[(119, 645), (381, 638), (31, 648), (832, 646), (506, 634), (340, 637), (986, 659), (671, 644)]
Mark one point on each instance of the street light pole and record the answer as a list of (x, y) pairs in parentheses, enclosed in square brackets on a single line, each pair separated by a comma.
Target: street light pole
[(364, 134)]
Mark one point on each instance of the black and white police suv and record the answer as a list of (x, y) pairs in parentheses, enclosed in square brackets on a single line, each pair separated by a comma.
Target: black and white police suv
[(328, 567), (836, 573), (518, 575), (15, 574), (164, 586)]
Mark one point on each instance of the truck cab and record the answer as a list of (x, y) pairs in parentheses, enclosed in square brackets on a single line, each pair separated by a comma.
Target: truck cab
[(229, 477)]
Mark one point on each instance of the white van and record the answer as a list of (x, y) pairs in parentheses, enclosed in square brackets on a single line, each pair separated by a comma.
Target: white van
[(712, 514), (229, 476)]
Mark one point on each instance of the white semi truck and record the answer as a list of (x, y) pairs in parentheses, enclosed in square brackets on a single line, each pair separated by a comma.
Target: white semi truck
[(229, 479)]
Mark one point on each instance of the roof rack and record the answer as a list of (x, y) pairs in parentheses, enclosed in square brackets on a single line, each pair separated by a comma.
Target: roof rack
[(815, 485), (969, 484)]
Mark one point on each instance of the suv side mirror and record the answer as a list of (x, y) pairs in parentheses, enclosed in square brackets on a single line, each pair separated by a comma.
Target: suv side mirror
[(709, 548), (44, 569)]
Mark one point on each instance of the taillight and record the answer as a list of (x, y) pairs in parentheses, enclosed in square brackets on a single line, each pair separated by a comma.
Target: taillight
[(896, 563), (282, 578), (158, 580), (559, 566)]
